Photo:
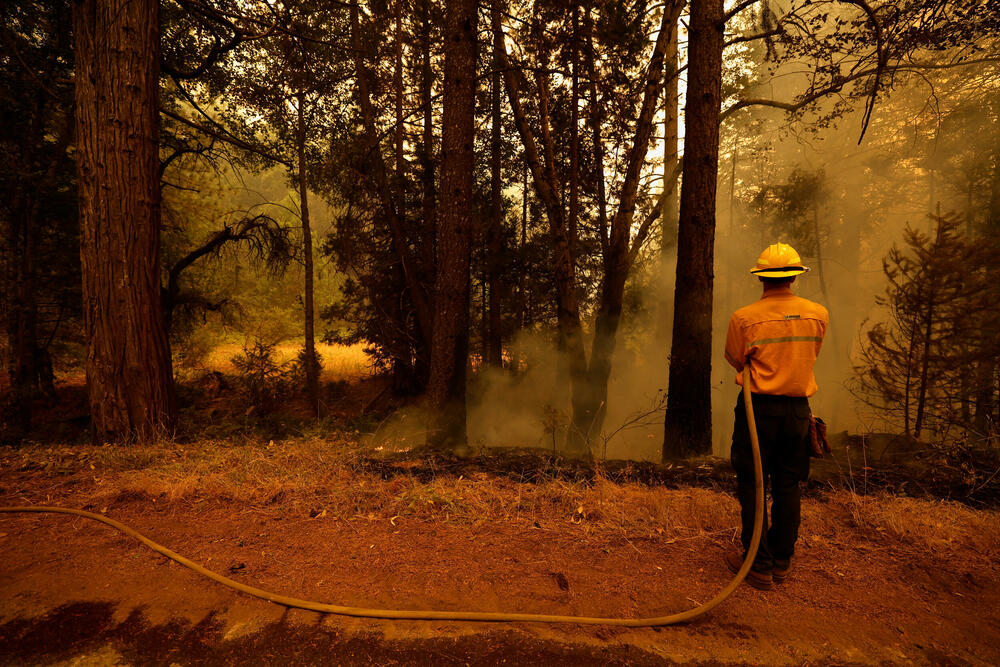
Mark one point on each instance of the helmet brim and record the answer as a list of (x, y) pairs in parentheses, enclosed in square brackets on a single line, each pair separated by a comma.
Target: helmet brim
[(782, 272)]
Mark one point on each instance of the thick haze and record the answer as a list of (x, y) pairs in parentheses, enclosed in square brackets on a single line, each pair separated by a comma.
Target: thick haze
[(869, 194)]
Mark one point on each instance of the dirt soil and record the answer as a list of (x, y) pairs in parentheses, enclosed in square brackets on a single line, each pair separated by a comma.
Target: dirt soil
[(76, 592)]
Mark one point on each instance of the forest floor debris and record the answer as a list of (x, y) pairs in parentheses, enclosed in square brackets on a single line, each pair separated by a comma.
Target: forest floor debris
[(878, 578)]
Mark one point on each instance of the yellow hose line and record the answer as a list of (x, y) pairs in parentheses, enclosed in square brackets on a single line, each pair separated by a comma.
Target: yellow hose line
[(485, 616)]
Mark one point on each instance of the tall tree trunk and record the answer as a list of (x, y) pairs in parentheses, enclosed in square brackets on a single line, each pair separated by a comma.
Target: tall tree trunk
[(688, 421), (587, 408), (129, 378), (984, 418), (596, 119), (574, 132), (398, 89), (590, 401), (22, 314), (494, 235), (913, 337), (484, 323), (450, 340), (427, 157), (515, 361), (671, 93), (588, 381), (428, 248), (668, 205), (546, 184), (22, 309), (383, 190), (926, 332), (311, 360), (925, 365)]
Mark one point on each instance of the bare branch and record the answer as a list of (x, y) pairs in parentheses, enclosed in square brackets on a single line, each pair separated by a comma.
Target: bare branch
[(647, 224), (881, 62), (223, 135), (737, 9), (750, 38)]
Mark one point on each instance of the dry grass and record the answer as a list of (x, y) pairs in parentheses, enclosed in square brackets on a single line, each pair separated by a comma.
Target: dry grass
[(321, 475), (340, 362), (939, 526)]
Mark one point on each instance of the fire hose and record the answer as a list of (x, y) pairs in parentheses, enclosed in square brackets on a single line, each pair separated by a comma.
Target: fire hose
[(481, 616)]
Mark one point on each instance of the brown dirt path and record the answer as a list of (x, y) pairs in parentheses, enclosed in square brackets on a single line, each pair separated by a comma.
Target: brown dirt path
[(75, 592)]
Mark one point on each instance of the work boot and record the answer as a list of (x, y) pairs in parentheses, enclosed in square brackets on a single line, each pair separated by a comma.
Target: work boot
[(780, 570), (762, 581)]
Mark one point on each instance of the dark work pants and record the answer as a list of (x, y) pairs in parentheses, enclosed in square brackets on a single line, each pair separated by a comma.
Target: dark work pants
[(783, 431)]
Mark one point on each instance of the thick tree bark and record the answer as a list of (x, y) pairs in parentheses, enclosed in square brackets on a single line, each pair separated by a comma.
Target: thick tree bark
[(309, 350), (688, 422), (450, 341), (129, 378)]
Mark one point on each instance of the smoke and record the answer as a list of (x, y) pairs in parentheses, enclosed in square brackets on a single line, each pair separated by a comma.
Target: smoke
[(532, 408), (870, 193)]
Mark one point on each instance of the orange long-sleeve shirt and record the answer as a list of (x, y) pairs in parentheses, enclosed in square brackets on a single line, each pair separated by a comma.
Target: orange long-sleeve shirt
[(781, 335)]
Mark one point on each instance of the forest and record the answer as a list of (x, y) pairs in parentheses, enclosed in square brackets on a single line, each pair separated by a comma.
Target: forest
[(312, 177), (338, 258)]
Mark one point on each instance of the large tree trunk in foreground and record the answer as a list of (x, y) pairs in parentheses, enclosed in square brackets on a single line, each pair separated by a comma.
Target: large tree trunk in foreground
[(450, 340), (311, 360), (129, 378), (688, 427)]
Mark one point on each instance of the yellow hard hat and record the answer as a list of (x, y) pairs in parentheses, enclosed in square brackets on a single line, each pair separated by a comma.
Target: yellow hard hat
[(779, 261)]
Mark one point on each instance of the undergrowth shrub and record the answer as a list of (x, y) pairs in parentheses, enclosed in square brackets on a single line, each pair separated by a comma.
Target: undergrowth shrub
[(296, 368), (259, 375)]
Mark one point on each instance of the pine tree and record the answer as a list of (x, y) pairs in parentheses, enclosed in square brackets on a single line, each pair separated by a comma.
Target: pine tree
[(912, 364)]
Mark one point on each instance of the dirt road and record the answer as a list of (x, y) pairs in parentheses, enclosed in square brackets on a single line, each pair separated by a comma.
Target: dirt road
[(74, 592)]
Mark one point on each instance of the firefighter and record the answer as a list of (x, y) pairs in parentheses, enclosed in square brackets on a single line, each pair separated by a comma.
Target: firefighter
[(780, 337)]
